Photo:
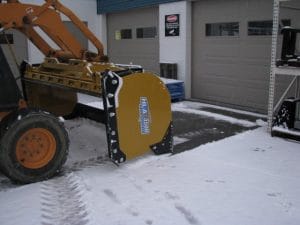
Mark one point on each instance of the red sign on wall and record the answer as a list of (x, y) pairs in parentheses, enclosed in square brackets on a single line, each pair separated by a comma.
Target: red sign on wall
[(172, 25)]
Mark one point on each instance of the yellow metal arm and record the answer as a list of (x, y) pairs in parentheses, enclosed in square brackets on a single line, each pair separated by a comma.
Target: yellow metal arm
[(26, 18)]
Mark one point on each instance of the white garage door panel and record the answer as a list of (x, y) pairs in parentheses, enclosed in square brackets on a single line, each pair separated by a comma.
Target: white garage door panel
[(233, 70), (142, 51)]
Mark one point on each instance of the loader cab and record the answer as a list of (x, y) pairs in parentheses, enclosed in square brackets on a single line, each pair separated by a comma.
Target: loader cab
[(9, 91)]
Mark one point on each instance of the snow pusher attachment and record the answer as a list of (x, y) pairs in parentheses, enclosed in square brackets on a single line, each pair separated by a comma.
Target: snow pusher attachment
[(137, 107), (138, 115)]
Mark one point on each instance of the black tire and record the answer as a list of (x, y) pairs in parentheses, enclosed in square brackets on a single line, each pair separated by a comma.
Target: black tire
[(12, 129)]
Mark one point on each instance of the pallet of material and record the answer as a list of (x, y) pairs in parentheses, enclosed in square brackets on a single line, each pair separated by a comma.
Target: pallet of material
[(176, 89)]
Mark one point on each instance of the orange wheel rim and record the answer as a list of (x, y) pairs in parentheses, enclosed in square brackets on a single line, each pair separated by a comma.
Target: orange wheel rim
[(36, 148)]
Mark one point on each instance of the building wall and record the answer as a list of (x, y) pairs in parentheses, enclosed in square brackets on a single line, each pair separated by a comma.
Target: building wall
[(177, 49), (150, 52)]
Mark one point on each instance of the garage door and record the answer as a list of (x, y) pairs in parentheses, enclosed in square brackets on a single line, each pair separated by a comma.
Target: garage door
[(133, 38), (231, 52)]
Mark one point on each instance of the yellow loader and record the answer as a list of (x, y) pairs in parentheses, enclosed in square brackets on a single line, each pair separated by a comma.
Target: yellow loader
[(33, 141)]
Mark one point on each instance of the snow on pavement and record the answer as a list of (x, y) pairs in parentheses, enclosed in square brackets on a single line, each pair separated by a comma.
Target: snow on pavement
[(247, 179), (200, 105), (186, 108)]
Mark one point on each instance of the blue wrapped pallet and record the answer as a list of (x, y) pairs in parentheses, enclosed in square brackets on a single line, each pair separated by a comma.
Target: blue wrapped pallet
[(176, 89)]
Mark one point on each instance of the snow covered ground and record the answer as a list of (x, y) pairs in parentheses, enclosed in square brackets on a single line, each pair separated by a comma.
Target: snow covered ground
[(247, 179)]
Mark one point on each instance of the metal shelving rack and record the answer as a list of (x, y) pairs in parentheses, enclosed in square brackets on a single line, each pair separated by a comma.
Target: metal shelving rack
[(274, 71)]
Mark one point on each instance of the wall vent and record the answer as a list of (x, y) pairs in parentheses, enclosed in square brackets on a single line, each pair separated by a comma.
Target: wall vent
[(168, 70)]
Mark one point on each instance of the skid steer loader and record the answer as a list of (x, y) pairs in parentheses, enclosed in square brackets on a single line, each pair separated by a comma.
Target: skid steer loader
[(33, 141)]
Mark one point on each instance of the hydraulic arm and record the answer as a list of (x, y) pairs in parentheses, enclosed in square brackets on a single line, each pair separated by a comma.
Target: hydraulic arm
[(28, 18)]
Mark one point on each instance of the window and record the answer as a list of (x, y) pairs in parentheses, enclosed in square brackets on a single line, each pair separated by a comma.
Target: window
[(260, 27), (126, 34), (9, 38), (264, 27), (146, 32), (222, 29), (123, 34)]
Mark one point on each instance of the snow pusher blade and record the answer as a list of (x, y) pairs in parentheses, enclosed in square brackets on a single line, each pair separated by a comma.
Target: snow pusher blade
[(138, 113), (137, 105)]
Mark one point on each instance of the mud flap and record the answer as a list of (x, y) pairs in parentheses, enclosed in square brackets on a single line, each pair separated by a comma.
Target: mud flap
[(138, 115)]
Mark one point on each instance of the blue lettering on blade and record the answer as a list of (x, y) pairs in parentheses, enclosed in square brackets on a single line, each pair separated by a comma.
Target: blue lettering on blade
[(144, 116)]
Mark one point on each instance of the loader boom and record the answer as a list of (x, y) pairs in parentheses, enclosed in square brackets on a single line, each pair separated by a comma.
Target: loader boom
[(27, 18)]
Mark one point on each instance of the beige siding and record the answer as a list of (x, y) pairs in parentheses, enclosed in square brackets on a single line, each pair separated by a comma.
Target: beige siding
[(144, 52), (233, 70)]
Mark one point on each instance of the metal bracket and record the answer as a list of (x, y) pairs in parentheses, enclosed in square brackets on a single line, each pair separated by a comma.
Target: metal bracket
[(166, 145), (111, 83)]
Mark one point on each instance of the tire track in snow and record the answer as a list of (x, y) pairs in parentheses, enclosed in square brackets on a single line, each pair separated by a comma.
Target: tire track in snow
[(6, 184), (89, 163), (63, 202)]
